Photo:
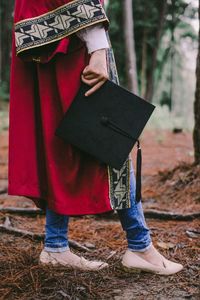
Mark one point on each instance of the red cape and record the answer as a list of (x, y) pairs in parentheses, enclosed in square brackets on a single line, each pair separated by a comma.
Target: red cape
[(41, 166)]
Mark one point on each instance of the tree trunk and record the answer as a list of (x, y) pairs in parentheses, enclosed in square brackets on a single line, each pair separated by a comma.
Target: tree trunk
[(196, 133), (1, 40), (150, 78), (144, 62), (6, 11), (131, 68), (172, 56)]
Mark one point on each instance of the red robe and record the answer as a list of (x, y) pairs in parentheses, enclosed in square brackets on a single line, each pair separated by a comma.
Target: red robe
[(45, 77)]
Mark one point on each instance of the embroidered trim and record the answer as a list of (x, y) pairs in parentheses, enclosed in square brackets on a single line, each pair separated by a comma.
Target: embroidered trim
[(57, 24), (119, 180)]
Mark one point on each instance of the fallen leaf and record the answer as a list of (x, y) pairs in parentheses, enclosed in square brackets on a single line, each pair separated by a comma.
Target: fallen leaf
[(167, 246)]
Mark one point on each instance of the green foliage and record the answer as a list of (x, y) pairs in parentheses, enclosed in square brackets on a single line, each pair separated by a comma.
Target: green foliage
[(4, 91), (177, 27)]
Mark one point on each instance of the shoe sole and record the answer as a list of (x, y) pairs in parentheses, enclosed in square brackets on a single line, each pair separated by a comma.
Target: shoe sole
[(56, 265), (138, 270)]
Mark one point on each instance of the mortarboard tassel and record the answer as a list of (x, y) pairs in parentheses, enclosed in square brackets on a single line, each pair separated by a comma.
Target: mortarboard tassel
[(138, 173)]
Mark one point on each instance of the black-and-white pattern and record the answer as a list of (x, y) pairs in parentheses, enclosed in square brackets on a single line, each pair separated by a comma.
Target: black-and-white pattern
[(119, 180), (57, 24), (120, 186)]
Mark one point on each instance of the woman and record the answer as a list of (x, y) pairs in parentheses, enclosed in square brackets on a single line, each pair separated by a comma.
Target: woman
[(57, 44)]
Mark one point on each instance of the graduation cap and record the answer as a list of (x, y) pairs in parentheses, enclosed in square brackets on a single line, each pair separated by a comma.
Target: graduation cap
[(107, 125)]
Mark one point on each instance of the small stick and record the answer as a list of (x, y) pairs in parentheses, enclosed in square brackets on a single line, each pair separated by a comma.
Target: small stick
[(6, 227), (152, 213), (155, 214), (22, 211), (3, 191)]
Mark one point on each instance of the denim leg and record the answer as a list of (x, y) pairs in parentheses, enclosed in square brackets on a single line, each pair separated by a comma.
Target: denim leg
[(56, 229), (133, 221)]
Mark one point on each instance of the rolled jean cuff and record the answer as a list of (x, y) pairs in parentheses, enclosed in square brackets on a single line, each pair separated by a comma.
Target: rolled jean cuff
[(56, 249), (140, 248)]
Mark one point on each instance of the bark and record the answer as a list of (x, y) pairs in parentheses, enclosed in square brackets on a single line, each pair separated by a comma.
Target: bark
[(131, 68), (6, 12), (155, 214), (172, 55), (144, 62), (196, 132), (150, 77)]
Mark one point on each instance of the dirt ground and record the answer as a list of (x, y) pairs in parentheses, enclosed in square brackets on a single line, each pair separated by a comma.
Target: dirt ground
[(171, 183)]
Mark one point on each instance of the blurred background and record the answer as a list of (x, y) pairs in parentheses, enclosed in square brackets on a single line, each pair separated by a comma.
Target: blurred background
[(155, 48)]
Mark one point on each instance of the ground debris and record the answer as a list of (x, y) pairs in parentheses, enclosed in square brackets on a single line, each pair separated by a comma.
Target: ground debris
[(193, 233), (165, 245), (21, 277), (177, 190), (172, 191), (8, 228)]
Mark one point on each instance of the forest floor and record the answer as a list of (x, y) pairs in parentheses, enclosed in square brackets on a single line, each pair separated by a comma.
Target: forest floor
[(171, 183)]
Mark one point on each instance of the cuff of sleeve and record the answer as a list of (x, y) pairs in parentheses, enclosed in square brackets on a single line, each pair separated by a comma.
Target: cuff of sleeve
[(94, 37)]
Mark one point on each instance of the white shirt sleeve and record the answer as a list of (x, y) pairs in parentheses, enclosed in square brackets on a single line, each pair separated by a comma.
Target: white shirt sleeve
[(94, 36)]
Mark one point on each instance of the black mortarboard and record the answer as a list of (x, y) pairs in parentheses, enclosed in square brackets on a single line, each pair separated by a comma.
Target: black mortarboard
[(106, 124)]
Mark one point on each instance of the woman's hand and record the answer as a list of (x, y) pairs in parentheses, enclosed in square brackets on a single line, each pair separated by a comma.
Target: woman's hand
[(96, 73)]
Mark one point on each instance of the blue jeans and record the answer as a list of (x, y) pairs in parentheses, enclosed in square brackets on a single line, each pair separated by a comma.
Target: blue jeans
[(132, 221)]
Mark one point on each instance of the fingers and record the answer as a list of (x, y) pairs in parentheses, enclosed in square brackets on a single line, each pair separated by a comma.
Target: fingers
[(92, 72), (94, 76), (89, 76), (88, 71), (96, 83), (95, 87), (90, 82)]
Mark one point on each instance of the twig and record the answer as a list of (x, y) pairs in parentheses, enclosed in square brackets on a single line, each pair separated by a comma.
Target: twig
[(112, 253), (3, 191), (22, 211), (152, 213), (6, 227), (193, 234), (20, 232), (156, 214), (78, 246)]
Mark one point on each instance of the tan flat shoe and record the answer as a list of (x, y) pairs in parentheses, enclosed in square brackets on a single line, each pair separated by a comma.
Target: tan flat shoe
[(132, 262), (71, 260)]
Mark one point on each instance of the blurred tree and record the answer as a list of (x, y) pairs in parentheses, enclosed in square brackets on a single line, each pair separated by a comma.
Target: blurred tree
[(114, 12), (6, 11), (158, 31), (177, 28), (196, 133), (153, 20), (128, 25)]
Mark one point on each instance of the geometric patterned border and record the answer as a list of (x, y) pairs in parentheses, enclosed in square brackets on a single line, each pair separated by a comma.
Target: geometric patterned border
[(119, 180), (57, 24)]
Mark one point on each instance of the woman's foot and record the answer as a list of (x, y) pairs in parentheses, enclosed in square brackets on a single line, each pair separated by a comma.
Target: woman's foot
[(69, 259), (150, 261)]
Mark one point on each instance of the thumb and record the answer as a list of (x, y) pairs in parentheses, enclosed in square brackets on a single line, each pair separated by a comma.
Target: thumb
[(86, 70)]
